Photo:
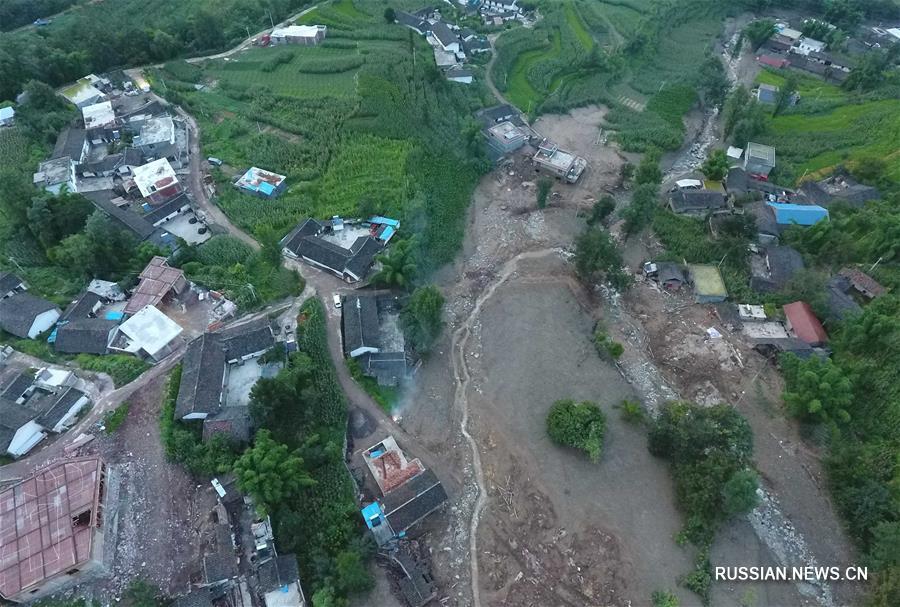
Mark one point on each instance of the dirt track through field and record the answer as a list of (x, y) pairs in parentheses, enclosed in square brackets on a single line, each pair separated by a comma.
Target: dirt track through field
[(462, 378)]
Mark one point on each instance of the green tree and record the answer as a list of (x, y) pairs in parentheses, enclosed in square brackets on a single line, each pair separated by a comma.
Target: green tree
[(885, 550), (716, 166), (270, 246), (817, 390), (739, 493), (846, 14), (579, 425), (786, 93), (601, 210), (270, 472), (597, 257), (712, 82), (735, 104), (422, 318), (351, 573), (398, 268), (627, 172), (327, 597), (648, 169), (390, 15), (644, 202), (757, 32)]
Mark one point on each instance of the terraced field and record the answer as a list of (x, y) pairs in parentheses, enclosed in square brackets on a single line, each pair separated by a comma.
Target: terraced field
[(358, 124)]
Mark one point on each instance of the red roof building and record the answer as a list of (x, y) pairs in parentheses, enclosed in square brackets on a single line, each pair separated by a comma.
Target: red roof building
[(773, 61), (158, 280), (51, 529), (802, 322)]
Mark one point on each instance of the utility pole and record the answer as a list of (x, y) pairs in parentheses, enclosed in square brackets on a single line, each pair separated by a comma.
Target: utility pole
[(272, 21), (870, 269), (247, 27)]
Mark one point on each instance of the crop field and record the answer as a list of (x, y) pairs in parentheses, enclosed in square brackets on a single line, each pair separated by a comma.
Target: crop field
[(358, 121), (624, 17), (315, 72), (530, 70)]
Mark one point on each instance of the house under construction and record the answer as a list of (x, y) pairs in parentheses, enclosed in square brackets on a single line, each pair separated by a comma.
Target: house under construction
[(559, 163)]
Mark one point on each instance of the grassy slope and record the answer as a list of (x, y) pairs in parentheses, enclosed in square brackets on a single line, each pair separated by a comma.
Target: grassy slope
[(830, 127)]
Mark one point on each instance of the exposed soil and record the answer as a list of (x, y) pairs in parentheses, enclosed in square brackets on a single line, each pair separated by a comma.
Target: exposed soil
[(550, 527)]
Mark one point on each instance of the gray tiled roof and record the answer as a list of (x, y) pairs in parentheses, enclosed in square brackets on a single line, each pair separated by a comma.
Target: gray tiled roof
[(8, 282), (84, 336), (202, 374), (359, 321), (413, 500), (17, 313)]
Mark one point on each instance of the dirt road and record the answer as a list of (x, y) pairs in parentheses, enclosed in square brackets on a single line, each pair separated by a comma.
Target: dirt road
[(488, 78)]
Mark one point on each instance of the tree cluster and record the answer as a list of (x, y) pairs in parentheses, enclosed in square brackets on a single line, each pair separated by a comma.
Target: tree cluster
[(422, 318), (709, 450), (580, 425)]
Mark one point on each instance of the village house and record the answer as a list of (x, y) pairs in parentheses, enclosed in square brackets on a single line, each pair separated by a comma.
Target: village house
[(697, 202), (559, 163), (459, 74), (262, 183), (413, 22), (7, 116), (83, 92), (10, 284), (410, 492), (759, 159), (158, 282), (26, 316), (773, 268), (345, 249), (839, 189), (773, 61), (156, 181), (371, 335), (43, 556), (445, 38), (862, 283), (505, 137), (161, 137), (149, 335), (838, 299), (708, 284), (31, 408), (80, 330), (806, 46), (801, 321), (219, 371), (797, 214), (99, 115), (307, 35)]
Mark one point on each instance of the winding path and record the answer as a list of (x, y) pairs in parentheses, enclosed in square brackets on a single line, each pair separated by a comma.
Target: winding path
[(462, 378)]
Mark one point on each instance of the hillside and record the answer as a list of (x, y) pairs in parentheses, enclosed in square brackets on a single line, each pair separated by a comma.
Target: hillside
[(363, 123)]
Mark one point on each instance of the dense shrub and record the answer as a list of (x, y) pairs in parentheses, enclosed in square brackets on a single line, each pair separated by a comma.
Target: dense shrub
[(122, 368), (579, 425)]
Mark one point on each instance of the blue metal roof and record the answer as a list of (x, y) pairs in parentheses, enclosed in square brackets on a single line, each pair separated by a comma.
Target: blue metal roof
[(385, 220), (800, 214), (387, 233), (266, 188), (371, 512)]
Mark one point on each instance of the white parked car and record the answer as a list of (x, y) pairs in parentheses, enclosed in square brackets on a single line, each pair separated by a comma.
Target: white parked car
[(337, 300)]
